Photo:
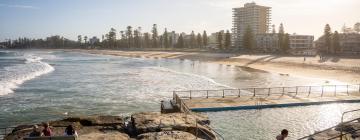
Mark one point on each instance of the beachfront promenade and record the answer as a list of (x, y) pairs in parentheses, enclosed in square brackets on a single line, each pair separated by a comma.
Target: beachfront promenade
[(258, 98)]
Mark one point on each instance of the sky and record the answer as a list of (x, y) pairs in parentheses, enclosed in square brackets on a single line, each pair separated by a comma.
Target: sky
[(69, 18)]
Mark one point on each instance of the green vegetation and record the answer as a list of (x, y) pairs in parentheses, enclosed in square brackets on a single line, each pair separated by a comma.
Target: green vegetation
[(220, 40), (248, 39), (327, 38), (205, 38), (335, 42), (227, 40), (129, 38), (331, 41), (284, 39)]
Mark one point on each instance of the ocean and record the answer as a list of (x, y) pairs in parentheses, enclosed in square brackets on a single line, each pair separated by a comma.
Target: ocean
[(43, 85)]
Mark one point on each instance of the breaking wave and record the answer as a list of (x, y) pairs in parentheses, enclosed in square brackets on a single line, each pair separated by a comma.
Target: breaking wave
[(14, 75)]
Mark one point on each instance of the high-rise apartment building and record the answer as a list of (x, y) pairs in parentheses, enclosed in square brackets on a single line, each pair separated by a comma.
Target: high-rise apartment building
[(251, 15)]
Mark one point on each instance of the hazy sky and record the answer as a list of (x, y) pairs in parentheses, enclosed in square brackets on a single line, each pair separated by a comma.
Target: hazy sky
[(41, 18)]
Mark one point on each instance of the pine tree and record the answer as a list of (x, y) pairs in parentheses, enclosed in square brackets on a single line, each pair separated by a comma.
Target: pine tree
[(166, 39), (192, 40), (227, 40), (327, 37), (123, 39), (335, 42), (154, 36), (248, 39), (161, 41), (171, 42), (205, 39), (199, 40), (140, 42), (85, 39), (137, 41), (180, 42), (129, 36), (286, 43), (111, 37), (146, 40), (281, 36), (220, 40)]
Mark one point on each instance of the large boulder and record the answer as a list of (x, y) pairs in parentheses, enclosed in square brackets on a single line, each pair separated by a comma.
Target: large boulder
[(148, 122)]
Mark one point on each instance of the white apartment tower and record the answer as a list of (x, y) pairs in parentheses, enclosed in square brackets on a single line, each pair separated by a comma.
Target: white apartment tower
[(251, 15)]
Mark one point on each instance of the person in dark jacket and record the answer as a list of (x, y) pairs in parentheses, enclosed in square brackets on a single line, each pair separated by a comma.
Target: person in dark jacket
[(35, 132)]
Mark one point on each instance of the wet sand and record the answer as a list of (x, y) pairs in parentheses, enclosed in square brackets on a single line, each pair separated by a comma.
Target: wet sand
[(345, 70)]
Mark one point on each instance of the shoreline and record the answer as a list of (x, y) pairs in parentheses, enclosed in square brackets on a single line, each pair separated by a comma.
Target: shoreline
[(344, 70)]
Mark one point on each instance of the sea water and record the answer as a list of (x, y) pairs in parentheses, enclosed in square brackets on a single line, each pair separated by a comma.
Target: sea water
[(43, 85)]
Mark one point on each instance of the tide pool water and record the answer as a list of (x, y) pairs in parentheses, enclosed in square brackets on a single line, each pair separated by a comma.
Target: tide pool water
[(42, 85)]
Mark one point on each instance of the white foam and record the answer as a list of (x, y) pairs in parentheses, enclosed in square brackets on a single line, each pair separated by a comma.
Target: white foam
[(13, 76)]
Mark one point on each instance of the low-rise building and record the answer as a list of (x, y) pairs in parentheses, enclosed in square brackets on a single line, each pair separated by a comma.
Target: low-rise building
[(349, 44), (267, 43), (299, 44), (302, 44)]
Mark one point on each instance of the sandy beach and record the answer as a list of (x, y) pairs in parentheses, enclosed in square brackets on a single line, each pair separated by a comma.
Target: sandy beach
[(346, 70)]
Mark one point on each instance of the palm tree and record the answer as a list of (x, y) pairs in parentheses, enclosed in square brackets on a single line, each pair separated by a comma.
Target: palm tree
[(85, 39)]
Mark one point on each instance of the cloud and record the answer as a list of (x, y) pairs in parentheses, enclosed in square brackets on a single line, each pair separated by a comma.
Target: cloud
[(18, 6)]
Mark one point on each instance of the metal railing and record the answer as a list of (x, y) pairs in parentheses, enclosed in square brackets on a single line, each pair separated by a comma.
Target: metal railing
[(321, 91), (218, 135), (341, 133), (186, 110)]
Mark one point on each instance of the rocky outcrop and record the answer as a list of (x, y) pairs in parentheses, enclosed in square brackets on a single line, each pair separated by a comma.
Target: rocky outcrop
[(143, 126), (97, 127), (150, 122)]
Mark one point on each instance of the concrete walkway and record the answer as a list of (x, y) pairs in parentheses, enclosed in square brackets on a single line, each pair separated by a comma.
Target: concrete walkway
[(258, 102)]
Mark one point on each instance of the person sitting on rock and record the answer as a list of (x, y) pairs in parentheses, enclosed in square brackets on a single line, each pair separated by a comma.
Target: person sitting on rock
[(35, 132), (283, 135), (46, 131), (70, 131)]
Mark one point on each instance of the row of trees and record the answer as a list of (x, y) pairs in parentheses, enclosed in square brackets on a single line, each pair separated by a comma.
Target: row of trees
[(331, 41), (128, 38), (134, 38), (223, 40), (49, 42)]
